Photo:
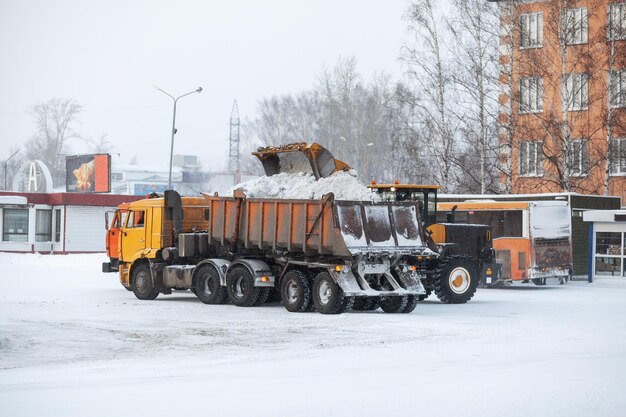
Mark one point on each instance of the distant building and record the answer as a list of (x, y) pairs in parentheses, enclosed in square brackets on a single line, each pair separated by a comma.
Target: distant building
[(608, 249), (562, 111), (56, 223)]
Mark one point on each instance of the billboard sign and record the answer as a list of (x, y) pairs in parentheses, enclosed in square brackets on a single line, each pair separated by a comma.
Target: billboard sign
[(88, 173)]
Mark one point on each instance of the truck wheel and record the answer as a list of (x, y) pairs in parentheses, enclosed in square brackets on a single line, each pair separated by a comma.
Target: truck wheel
[(411, 303), (393, 304), (208, 288), (328, 297), (264, 296), (295, 291), (539, 281), (366, 303), (142, 282), (240, 287), (456, 280)]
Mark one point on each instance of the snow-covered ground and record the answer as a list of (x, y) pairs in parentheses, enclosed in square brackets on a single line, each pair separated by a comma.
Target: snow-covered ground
[(73, 342)]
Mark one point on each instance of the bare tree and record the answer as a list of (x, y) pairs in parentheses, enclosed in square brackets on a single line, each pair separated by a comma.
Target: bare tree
[(54, 122), (428, 72), (100, 145), (474, 31), (341, 111)]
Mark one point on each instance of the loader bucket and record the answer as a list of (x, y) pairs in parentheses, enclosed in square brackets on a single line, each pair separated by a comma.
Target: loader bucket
[(299, 157)]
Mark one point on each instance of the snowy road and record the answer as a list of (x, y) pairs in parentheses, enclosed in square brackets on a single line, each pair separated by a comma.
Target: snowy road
[(74, 342)]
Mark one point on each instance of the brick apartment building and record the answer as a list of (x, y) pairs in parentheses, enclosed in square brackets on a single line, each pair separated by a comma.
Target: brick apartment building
[(562, 118)]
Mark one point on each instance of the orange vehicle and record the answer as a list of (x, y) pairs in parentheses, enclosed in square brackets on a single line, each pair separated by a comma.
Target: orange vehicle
[(532, 239), (113, 226), (318, 254)]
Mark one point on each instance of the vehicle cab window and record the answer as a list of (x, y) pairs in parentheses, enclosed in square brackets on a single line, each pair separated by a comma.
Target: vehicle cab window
[(135, 219)]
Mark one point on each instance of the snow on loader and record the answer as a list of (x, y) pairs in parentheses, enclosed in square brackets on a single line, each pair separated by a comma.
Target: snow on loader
[(321, 254)]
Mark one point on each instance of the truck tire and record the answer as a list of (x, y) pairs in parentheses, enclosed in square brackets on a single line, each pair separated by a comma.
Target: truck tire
[(295, 291), (142, 282), (539, 281), (240, 287), (411, 303), (456, 280), (366, 303), (328, 297), (208, 287), (394, 304), (264, 296)]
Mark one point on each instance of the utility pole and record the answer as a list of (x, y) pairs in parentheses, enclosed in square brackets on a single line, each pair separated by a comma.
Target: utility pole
[(233, 155), (175, 99)]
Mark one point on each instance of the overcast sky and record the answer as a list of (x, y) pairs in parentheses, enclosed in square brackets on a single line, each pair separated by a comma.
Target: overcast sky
[(108, 55)]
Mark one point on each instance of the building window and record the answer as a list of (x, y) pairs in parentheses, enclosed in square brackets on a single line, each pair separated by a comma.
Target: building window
[(574, 26), (616, 29), (575, 95), (579, 157), (609, 253), (617, 88), (617, 157), (57, 225), (530, 158), (43, 226), (15, 225), (530, 30), (530, 95)]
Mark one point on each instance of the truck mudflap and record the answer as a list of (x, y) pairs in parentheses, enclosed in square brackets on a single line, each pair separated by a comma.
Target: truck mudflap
[(490, 273), (404, 283)]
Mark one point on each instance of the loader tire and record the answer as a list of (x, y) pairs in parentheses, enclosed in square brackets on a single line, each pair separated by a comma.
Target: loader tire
[(366, 303), (208, 287), (328, 297), (411, 303), (240, 287), (456, 280), (393, 304), (295, 291), (142, 282)]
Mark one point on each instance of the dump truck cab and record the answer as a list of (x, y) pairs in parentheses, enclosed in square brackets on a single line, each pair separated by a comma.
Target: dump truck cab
[(466, 251)]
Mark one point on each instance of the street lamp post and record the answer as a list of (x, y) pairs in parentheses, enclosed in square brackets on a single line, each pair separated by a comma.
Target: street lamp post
[(197, 90), (6, 162)]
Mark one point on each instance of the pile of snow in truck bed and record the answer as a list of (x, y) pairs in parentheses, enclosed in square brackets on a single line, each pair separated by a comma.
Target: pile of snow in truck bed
[(344, 185)]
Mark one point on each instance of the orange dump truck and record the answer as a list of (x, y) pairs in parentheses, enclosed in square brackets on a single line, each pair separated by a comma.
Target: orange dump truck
[(323, 254)]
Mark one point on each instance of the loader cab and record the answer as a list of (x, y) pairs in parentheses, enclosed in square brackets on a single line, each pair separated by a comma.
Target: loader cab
[(426, 195)]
